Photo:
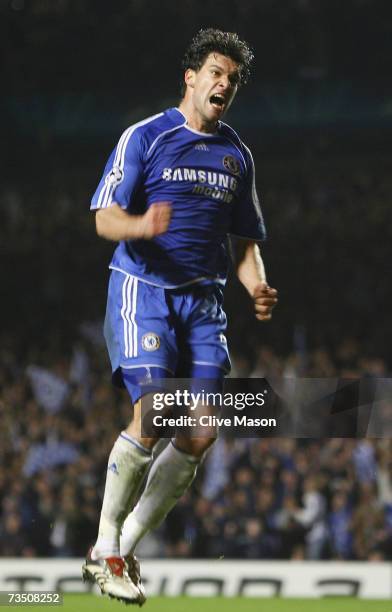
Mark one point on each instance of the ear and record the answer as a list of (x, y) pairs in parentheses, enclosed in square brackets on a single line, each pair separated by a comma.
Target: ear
[(189, 77)]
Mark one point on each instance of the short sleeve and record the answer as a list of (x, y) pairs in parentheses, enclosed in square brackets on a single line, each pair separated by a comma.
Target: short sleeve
[(123, 173), (247, 219)]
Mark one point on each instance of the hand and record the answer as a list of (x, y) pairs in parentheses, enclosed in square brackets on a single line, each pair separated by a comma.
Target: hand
[(265, 298), (155, 220)]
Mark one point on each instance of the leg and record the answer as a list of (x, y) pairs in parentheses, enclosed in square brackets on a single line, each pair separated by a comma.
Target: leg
[(127, 466), (203, 356), (141, 345), (128, 463), (170, 476)]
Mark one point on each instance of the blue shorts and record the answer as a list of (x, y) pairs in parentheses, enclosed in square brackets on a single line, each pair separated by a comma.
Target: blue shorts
[(179, 331)]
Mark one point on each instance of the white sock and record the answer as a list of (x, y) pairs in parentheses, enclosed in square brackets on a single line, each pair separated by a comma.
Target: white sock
[(128, 463), (170, 476)]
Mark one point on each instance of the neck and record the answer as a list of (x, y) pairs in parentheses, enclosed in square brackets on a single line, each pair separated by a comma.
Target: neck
[(194, 119)]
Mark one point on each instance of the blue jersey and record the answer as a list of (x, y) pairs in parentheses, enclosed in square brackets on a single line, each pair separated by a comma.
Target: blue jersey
[(209, 179)]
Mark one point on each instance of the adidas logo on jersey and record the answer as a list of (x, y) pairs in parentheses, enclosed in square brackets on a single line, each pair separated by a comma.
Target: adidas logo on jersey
[(201, 146)]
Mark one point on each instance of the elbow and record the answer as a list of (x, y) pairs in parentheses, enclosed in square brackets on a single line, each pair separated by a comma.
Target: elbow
[(245, 247)]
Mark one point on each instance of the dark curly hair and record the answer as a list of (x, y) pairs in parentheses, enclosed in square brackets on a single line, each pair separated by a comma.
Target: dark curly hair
[(227, 43)]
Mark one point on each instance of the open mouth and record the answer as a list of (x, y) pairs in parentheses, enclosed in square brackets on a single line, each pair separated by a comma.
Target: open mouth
[(218, 101)]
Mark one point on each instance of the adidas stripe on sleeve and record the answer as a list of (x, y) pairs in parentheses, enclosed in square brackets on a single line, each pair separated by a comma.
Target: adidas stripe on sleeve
[(122, 173), (124, 170)]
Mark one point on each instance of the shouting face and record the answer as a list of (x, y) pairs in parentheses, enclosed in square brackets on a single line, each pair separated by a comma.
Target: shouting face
[(212, 87)]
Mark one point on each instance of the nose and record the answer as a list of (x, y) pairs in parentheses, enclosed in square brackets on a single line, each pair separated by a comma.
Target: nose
[(224, 82)]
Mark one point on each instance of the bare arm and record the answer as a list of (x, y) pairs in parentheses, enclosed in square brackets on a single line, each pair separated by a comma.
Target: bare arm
[(251, 273), (115, 223), (250, 266)]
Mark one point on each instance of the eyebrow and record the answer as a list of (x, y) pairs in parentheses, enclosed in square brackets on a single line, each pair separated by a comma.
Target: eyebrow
[(232, 74)]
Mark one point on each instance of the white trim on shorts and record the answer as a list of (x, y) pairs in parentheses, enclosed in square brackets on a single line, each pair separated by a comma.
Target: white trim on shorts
[(215, 365), (146, 365), (128, 312)]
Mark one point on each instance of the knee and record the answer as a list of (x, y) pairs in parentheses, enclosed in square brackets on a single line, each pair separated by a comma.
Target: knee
[(134, 429), (135, 433), (194, 446)]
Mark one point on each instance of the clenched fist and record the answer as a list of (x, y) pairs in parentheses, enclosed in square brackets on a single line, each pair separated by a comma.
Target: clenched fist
[(265, 298), (155, 220)]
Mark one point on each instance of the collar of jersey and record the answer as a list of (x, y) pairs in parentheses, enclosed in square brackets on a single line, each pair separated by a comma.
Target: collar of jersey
[(186, 126)]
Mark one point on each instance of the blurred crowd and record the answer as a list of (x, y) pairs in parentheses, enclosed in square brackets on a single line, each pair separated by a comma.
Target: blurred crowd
[(326, 201), (272, 498), (262, 499), (329, 229)]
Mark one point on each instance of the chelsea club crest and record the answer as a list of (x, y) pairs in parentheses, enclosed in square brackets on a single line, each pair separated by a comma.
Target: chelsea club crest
[(231, 164), (151, 342)]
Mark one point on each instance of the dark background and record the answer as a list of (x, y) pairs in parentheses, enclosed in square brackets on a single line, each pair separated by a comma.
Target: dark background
[(317, 115)]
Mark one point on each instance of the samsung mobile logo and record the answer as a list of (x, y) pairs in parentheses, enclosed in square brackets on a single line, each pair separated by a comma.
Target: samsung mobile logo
[(213, 179)]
